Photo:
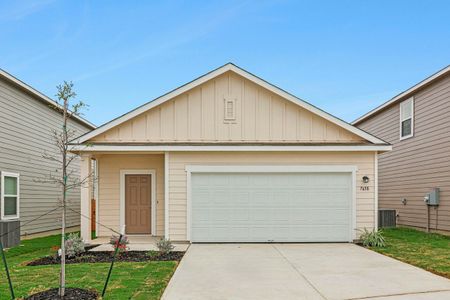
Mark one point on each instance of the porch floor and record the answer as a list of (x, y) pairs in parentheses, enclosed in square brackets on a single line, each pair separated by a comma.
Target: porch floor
[(136, 243)]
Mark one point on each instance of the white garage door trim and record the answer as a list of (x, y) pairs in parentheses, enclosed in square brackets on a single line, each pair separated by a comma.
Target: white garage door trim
[(271, 169)]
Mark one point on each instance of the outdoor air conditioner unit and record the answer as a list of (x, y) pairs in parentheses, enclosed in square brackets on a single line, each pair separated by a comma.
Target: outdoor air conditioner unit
[(10, 233), (387, 218)]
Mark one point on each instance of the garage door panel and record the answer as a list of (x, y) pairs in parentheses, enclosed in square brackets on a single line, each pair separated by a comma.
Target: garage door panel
[(289, 207), (259, 180), (240, 215), (261, 198), (259, 214), (240, 198)]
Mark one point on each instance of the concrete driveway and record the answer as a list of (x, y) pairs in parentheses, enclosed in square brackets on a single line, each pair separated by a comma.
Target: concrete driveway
[(299, 271)]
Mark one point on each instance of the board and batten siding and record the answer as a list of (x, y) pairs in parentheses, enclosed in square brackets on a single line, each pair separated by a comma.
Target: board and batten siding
[(198, 116), (109, 167), (417, 164), (26, 126), (365, 161)]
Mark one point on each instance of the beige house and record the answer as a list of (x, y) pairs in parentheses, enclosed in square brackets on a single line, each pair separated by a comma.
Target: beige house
[(230, 157), (415, 122)]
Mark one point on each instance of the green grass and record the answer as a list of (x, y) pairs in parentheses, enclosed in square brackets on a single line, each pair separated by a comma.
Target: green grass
[(129, 280), (427, 251)]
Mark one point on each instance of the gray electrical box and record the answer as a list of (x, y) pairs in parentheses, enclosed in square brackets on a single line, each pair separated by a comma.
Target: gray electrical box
[(432, 198)]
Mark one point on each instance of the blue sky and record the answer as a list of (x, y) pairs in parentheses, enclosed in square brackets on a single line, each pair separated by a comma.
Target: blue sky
[(344, 56)]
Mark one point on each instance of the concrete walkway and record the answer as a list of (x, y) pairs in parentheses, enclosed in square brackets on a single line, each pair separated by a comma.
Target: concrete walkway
[(299, 271)]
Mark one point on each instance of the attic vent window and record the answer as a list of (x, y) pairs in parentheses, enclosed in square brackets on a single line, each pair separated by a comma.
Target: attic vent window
[(230, 109)]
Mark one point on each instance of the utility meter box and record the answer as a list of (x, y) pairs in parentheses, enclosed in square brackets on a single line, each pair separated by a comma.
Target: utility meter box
[(432, 198)]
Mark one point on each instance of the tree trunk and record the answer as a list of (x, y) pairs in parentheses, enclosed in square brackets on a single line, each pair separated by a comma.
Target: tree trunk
[(62, 285), (63, 219)]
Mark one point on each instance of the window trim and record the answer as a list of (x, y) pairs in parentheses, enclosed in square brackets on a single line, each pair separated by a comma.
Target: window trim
[(3, 195), (412, 119)]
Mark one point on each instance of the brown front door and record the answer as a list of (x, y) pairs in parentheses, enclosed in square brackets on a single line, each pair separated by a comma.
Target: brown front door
[(138, 204)]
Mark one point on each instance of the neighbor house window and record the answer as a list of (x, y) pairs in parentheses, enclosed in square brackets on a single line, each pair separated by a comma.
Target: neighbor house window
[(230, 109), (406, 118), (9, 195)]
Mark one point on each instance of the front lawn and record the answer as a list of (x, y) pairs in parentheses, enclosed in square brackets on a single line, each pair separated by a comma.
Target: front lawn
[(129, 280), (427, 251)]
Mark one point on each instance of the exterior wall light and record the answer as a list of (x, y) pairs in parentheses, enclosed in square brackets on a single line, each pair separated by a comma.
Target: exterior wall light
[(365, 179)]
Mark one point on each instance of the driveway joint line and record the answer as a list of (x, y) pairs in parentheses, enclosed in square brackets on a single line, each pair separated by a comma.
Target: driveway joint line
[(298, 271), (401, 294)]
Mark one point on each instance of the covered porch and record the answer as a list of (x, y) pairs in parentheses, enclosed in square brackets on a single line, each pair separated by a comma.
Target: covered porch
[(129, 193)]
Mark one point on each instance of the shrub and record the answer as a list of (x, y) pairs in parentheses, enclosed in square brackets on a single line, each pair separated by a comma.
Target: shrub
[(123, 243), (74, 245), (373, 238), (164, 246), (153, 254)]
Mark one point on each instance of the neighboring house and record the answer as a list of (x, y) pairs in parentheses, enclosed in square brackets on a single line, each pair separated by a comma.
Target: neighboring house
[(415, 122), (27, 119), (230, 157)]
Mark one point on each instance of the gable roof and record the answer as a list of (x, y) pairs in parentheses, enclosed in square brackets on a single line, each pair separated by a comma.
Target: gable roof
[(403, 95), (221, 70), (41, 97)]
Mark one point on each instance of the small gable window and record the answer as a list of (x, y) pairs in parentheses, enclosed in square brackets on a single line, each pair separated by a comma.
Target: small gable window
[(230, 109), (406, 119)]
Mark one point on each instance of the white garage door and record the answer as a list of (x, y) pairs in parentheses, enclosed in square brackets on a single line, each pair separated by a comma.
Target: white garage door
[(271, 207)]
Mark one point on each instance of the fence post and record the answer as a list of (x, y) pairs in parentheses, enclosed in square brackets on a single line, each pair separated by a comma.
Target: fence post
[(7, 271), (111, 266)]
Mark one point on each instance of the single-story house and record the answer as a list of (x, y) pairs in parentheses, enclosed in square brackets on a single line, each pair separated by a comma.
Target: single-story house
[(27, 121), (229, 157)]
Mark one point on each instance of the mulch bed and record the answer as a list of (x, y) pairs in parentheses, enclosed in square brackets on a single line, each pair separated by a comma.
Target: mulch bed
[(70, 294), (106, 256)]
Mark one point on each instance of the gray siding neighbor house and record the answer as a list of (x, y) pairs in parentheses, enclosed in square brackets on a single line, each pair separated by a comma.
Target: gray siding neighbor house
[(27, 118), (416, 123)]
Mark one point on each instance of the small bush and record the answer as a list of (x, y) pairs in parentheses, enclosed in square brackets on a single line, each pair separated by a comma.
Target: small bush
[(153, 254), (372, 238), (164, 246), (74, 245), (123, 243)]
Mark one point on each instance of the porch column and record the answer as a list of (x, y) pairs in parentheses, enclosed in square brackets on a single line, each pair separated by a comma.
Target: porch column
[(85, 195)]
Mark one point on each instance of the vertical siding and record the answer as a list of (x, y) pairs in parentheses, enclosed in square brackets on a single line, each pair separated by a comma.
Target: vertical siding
[(178, 185), (26, 126), (198, 116), (417, 164), (109, 167)]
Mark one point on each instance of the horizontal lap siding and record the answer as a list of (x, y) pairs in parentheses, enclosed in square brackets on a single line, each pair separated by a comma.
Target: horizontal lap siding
[(26, 126), (177, 178), (417, 164), (109, 167)]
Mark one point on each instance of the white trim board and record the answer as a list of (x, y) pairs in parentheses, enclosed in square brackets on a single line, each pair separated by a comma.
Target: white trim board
[(151, 172), (402, 95), (376, 190), (95, 182), (270, 168), (166, 195), (212, 147), (217, 72), (352, 169)]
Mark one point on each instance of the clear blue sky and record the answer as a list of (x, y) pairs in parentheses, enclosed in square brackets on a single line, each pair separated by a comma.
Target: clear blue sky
[(343, 56)]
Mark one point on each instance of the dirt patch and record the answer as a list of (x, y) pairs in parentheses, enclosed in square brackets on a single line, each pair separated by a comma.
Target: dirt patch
[(106, 256), (70, 294)]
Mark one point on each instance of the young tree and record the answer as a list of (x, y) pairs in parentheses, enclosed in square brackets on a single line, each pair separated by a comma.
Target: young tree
[(64, 176)]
